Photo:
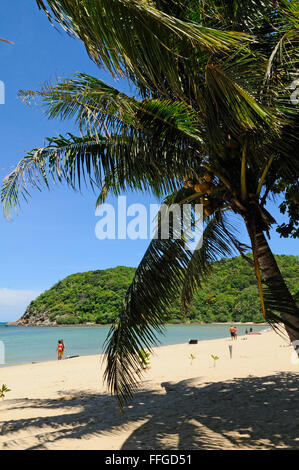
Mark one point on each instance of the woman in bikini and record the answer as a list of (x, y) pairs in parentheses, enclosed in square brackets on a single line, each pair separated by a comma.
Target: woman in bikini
[(60, 349)]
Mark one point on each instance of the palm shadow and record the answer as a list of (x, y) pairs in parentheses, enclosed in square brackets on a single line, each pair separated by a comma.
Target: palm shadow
[(250, 412), (244, 413)]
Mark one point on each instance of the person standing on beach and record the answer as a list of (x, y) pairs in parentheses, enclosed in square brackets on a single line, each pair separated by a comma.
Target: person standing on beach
[(232, 332), (60, 349)]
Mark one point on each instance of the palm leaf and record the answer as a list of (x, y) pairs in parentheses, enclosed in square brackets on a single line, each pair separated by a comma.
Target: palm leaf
[(158, 278), (145, 44), (139, 162), (97, 107), (215, 243), (234, 106), (155, 141)]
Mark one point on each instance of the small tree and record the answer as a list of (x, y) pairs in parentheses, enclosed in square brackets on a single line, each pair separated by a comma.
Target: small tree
[(215, 359), (4, 389), (192, 357)]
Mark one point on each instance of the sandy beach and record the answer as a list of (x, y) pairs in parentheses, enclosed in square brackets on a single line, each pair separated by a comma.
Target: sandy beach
[(247, 402)]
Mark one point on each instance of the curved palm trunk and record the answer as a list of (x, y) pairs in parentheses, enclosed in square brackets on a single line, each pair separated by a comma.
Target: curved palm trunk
[(274, 280)]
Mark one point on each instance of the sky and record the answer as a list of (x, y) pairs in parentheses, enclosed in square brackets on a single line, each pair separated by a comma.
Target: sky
[(53, 235)]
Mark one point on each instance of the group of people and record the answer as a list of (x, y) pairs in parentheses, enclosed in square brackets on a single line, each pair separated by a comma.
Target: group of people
[(234, 332)]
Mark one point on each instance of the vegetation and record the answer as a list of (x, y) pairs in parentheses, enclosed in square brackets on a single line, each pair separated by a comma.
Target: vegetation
[(3, 390), (212, 122), (215, 359), (230, 294), (94, 296), (144, 357), (192, 357)]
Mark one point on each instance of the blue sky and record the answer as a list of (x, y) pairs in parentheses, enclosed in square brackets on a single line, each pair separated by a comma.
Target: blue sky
[(52, 236)]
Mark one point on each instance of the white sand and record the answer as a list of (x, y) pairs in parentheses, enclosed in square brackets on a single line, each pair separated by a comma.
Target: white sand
[(247, 402)]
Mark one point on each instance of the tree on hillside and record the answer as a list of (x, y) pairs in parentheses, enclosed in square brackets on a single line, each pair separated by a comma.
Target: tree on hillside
[(212, 122)]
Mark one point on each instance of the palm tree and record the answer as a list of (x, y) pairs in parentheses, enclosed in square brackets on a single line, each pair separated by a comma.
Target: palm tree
[(211, 123)]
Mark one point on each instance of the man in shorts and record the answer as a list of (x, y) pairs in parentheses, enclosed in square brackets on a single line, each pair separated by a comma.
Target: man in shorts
[(232, 331)]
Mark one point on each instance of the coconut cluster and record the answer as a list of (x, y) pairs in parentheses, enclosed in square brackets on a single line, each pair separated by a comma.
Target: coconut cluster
[(204, 186)]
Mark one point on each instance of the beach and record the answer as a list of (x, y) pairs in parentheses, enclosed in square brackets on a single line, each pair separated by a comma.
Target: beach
[(249, 401)]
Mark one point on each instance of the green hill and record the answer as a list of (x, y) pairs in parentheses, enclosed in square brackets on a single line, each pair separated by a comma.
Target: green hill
[(96, 296)]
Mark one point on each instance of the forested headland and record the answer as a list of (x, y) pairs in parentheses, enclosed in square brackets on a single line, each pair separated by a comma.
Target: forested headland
[(229, 294)]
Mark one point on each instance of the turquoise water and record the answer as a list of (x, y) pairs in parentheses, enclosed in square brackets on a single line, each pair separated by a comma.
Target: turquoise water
[(34, 344)]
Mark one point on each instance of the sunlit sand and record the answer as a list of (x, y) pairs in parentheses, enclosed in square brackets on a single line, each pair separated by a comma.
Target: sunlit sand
[(247, 402)]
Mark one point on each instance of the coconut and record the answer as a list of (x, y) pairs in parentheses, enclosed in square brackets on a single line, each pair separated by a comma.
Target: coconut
[(210, 189), (208, 211), (189, 184), (201, 188), (208, 177)]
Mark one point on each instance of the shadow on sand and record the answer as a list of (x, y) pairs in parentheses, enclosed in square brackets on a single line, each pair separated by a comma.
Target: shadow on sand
[(242, 413)]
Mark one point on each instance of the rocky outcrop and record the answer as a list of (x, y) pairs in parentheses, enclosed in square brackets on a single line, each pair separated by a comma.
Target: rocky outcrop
[(34, 319)]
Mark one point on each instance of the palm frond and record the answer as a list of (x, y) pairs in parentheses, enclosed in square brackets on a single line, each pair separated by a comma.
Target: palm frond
[(145, 44), (98, 107), (164, 271), (280, 311), (137, 162), (147, 143), (215, 243), (29, 172), (232, 106)]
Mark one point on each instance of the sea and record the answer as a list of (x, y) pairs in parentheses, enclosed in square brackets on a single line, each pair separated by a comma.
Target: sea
[(20, 344)]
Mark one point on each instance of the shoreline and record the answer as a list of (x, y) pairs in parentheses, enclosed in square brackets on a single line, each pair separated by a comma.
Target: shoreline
[(110, 324), (101, 355), (72, 352)]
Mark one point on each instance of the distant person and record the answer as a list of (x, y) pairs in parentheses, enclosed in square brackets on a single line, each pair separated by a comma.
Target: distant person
[(251, 330), (232, 332), (246, 332), (236, 333), (60, 349)]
